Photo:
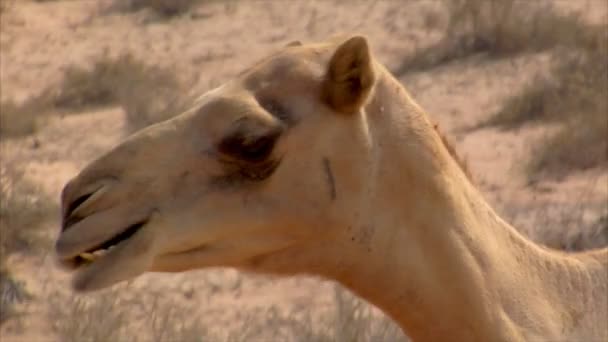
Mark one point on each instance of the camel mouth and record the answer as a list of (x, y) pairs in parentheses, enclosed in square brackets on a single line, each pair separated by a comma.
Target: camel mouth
[(104, 249)]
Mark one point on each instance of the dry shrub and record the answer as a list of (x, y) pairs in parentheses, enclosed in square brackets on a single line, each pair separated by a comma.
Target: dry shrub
[(22, 211), (92, 86), (351, 319), (356, 320), (164, 8), (18, 119), (93, 318), (107, 81), (579, 80), (165, 324), (148, 101), (148, 94), (578, 225), (122, 314), (11, 293), (593, 237), (535, 103), (80, 87), (126, 314), (574, 98), (498, 28), (581, 143), (582, 108)]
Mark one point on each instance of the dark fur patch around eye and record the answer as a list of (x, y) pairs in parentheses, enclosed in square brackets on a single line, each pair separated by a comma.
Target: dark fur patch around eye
[(248, 148), (246, 157), (239, 174), (276, 109)]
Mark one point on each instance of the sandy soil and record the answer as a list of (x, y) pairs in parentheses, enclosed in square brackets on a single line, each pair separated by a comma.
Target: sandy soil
[(217, 40)]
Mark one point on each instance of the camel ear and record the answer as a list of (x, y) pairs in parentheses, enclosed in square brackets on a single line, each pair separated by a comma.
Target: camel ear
[(350, 76)]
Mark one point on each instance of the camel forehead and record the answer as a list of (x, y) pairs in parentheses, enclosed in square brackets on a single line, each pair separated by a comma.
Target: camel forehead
[(273, 88), (291, 70)]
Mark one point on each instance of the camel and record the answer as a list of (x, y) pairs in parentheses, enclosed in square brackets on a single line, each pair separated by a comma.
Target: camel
[(317, 161)]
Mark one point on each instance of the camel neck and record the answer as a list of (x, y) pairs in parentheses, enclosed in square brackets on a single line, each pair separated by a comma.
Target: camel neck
[(450, 267)]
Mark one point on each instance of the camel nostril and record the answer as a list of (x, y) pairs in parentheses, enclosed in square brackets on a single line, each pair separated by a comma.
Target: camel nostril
[(68, 219)]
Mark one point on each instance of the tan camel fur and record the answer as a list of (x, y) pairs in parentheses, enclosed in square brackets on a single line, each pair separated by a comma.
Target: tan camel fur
[(317, 161)]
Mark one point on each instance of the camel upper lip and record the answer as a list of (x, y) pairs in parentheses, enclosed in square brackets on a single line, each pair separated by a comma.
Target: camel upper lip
[(70, 219), (118, 238)]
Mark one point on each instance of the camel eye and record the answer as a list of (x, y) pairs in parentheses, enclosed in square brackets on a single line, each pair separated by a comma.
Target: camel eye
[(249, 148)]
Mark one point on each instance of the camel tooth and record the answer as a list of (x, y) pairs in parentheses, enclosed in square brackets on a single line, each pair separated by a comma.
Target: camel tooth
[(99, 252), (87, 256)]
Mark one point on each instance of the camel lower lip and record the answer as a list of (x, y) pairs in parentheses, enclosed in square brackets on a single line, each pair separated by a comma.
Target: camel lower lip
[(120, 237), (93, 254)]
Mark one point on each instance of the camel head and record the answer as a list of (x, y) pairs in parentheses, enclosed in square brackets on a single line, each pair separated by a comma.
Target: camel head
[(266, 167)]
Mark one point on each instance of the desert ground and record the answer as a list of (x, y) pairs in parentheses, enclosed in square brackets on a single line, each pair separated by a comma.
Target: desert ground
[(63, 106)]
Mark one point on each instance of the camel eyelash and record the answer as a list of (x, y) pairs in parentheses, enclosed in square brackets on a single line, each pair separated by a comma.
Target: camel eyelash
[(246, 147), (277, 110)]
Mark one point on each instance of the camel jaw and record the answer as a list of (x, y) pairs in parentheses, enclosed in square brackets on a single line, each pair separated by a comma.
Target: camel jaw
[(120, 257)]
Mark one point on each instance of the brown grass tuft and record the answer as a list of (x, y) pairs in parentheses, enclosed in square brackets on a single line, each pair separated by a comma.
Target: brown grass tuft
[(575, 99), (151, 99), (163, 8), (148, 94), (498, 28), (93, 318), (107, 81), (22, 211), (23, 118), (110, 315), (578, 225), (11, 293)]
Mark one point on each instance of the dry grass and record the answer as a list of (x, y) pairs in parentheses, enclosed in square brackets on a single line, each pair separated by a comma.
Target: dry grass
[(579, 144), (582, 110), (579, 80), (497, 28), (22, 211), (147, 93), (107, 82), (151, 100), (94, 318), (575, 99), (351, 319), (163, 8), (23, 118), (109, 315), (578, 225), (11, 293)]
